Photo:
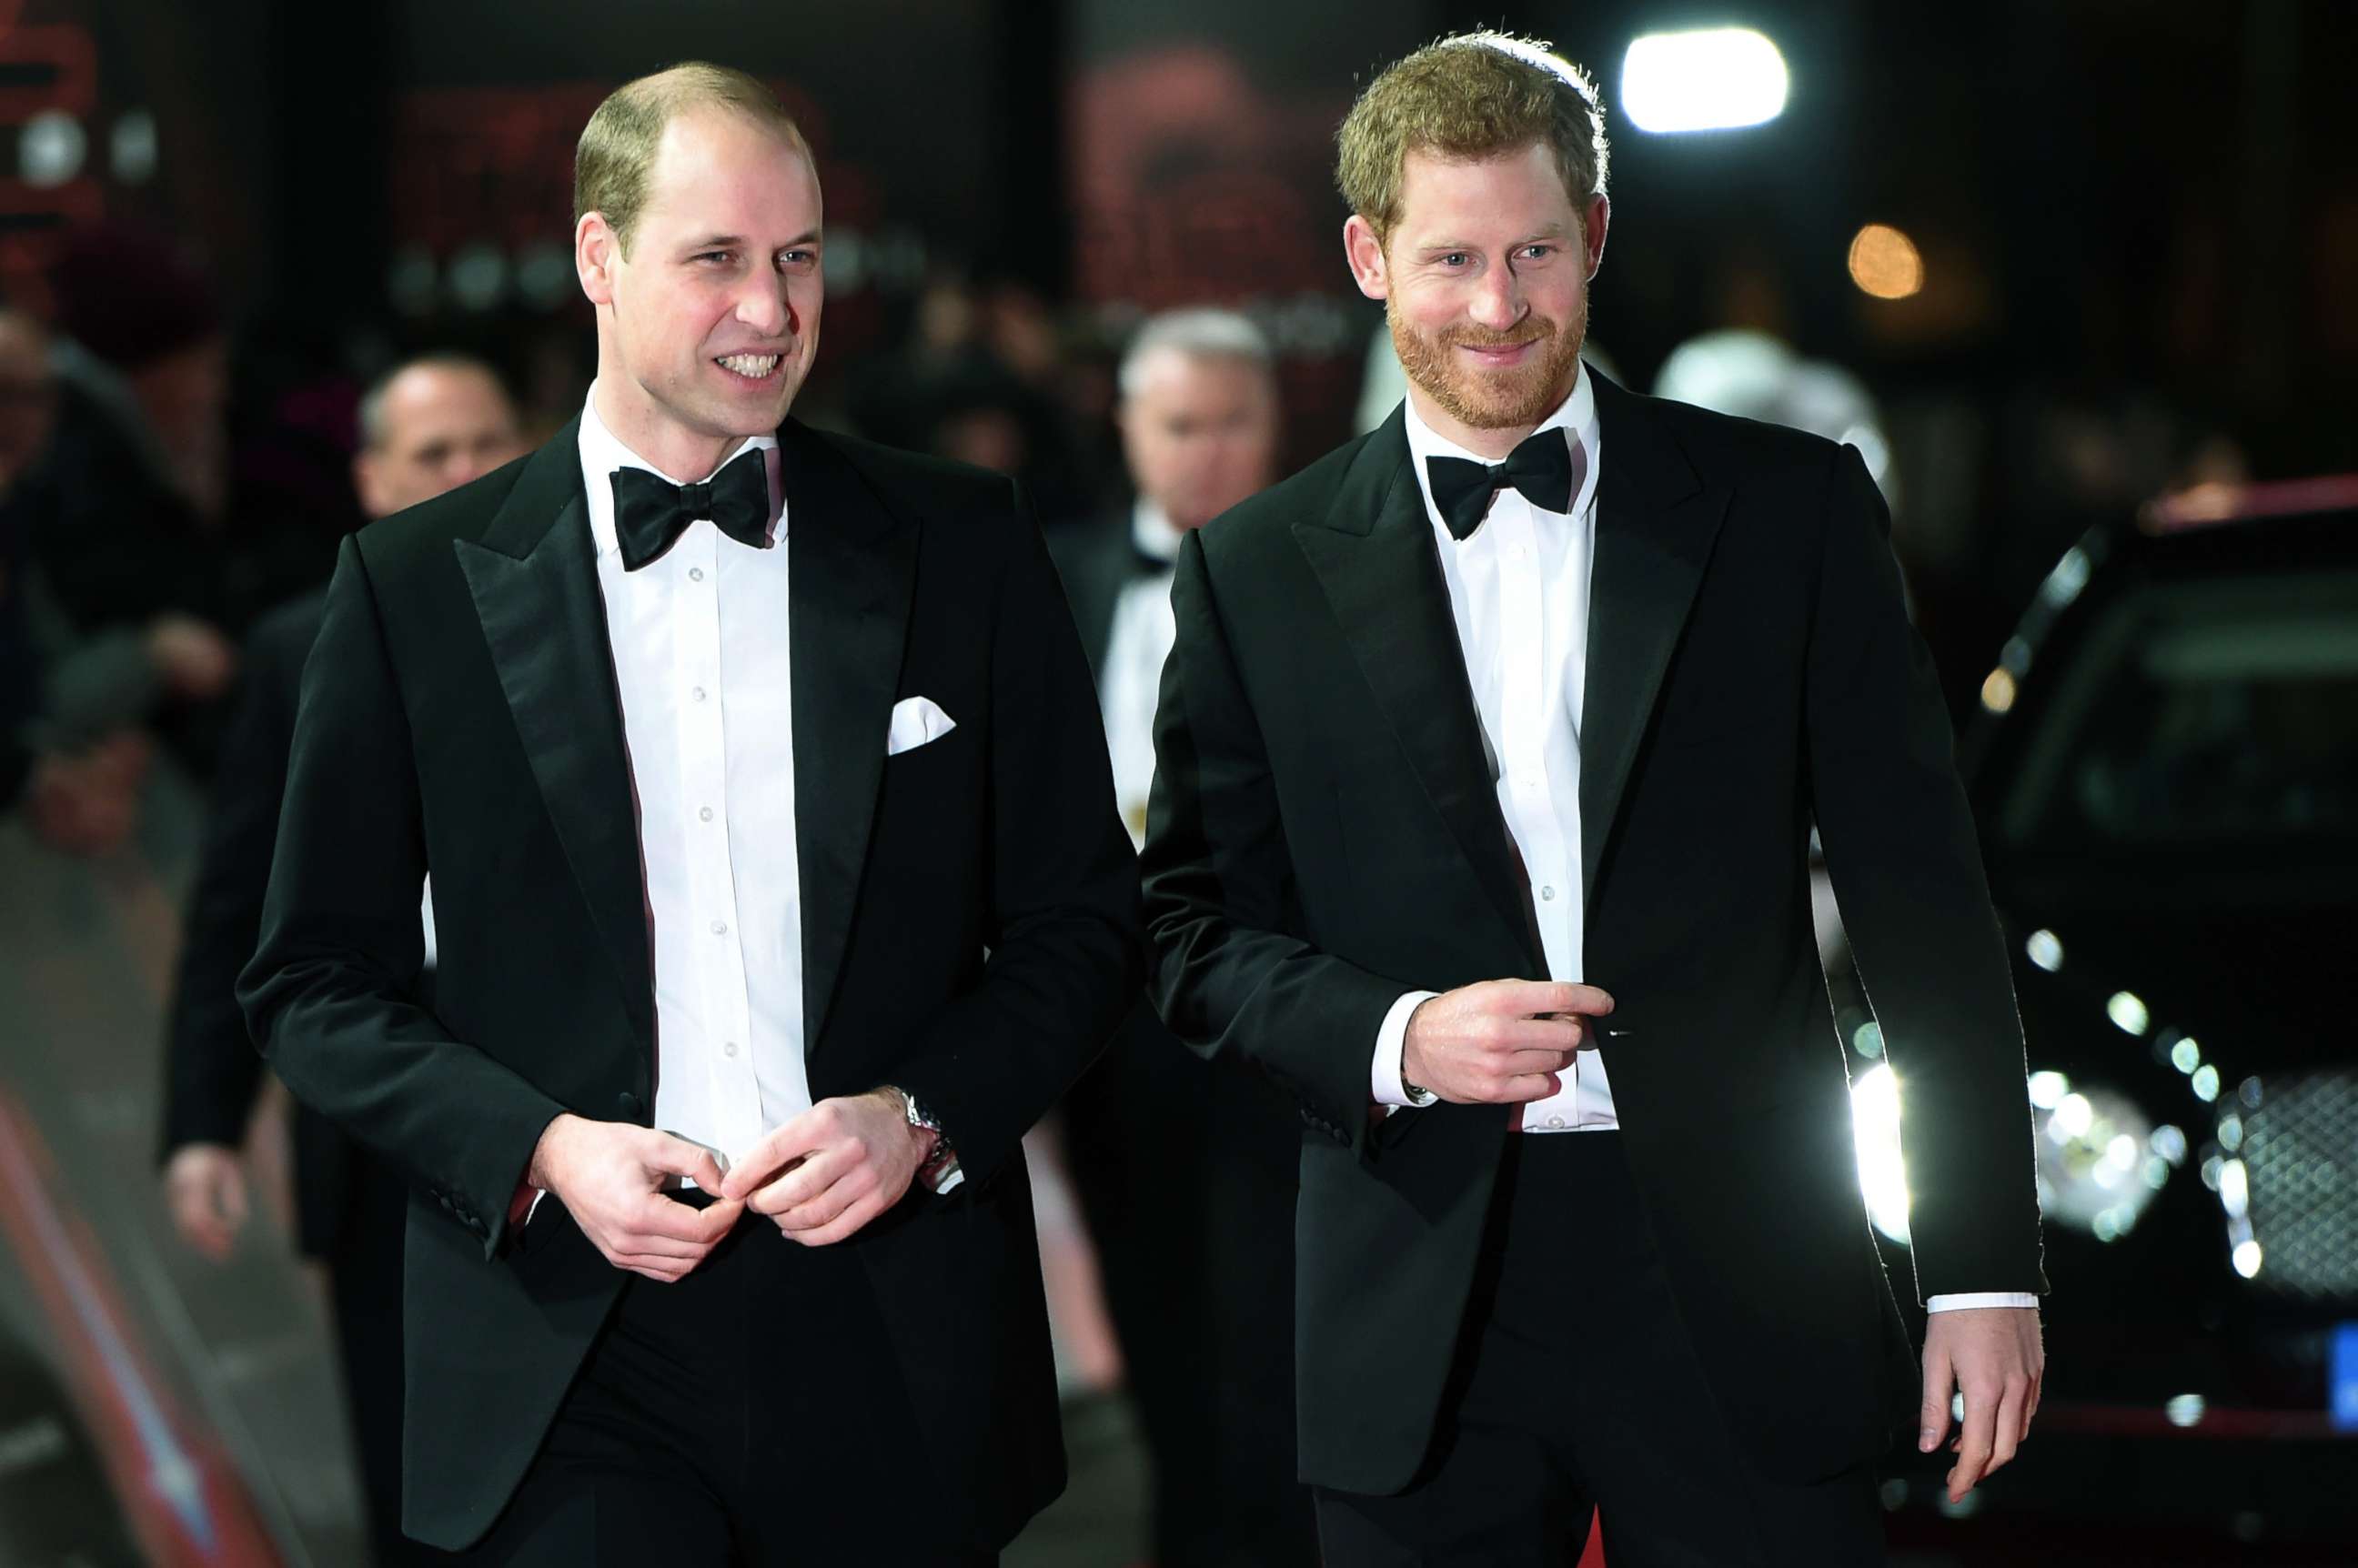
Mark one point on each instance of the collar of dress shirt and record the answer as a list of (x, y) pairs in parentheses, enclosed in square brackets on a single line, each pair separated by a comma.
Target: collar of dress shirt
[(1150, 531), (1577, 415), (602, 452)]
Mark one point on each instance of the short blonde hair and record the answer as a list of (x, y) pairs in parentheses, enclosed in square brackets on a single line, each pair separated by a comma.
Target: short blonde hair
[(612, 161), (1470, 95)]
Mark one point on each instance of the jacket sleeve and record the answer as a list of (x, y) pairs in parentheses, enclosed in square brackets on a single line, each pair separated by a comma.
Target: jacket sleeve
[(1907, 870), (1221, 901), (212, 1069), (331, 994), (1065, 958)]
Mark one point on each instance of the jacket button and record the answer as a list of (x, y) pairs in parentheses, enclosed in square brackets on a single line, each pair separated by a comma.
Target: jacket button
[(628, 1104)]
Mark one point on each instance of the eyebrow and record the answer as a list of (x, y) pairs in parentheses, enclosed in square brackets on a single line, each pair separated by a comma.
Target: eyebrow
[(736, 242), (1445, 247)]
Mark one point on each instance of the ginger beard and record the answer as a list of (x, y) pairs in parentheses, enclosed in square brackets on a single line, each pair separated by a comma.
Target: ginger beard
[(1516, 397)]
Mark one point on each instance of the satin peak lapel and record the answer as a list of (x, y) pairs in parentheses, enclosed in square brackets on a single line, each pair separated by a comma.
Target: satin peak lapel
[(1373, 553), (852, 568), (535, 581), (1656, 524)]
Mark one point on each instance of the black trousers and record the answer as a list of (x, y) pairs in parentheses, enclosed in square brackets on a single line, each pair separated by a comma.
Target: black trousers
[(1575, 1387), (752, 1415)]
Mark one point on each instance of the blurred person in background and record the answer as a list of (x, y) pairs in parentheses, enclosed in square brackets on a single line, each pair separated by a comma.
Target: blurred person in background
[(136, 516), (428, 426), (778, 891), (69, 704), (1185, 1167), (1542, 684)]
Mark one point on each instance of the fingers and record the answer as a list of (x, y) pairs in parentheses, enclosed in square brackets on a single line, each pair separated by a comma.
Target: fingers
[(778, 1152), (1974, 1447), (657, 1217), (1525, 1087), (2008, 1434), (678, 1157), (232, 1198), (804, 1181), (1530, 998), (1517, 1063), (1940, 1390), (844, 1226)]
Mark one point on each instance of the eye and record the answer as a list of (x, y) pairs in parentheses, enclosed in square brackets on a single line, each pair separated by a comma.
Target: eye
[(1455, 259), (799, 257), (713, 257), (1539, 252)]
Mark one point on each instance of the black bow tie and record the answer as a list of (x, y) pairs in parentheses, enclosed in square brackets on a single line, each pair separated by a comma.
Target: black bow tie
[(651, 513), (1543, 467)]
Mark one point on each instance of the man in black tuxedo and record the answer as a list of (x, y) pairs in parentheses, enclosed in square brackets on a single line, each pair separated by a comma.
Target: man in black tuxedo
[(777, 890), (1486, 766), (426, 426), (1185, 1168)]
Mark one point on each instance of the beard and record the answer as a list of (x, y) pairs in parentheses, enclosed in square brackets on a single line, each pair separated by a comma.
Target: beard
[(1511, 399)]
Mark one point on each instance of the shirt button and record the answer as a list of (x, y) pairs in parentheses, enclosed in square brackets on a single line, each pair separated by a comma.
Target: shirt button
[(720, 928), (1544, 892), (697, 692), (704, 814), (696, 574), (730, 1049), (1556, 1121)]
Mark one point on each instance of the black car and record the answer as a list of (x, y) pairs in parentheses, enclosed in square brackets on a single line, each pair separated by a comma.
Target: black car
[(2165, 778)]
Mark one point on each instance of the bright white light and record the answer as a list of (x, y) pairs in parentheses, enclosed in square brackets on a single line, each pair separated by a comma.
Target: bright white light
[(2046, 951), (50, 148), (2186, 1056), (2231, 1132), (2186, 1409), (2235, 1187), (1713, 80), (2169, 1143), (2047, 1089), (2122, 1151), (2247, 1260), (1874, 1127), (2205, 1083), (2129, 1011), (2073, 1116)]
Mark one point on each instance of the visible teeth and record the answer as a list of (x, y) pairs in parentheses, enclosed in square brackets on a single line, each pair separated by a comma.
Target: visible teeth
[(754, 365)]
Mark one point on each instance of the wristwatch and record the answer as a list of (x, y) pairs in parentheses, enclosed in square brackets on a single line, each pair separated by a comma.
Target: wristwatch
[(940, 1171)]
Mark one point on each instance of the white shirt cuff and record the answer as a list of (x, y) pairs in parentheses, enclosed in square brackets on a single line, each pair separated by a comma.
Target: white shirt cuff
[(1384, 1078), (1981, 1299)]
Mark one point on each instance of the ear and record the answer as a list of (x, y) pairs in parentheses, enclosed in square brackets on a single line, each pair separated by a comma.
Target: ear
[(364, 484), (1366, 254), (597, 252), (1592, 232)]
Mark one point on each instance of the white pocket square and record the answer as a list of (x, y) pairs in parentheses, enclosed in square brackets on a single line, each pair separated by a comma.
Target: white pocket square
[(915, 720)]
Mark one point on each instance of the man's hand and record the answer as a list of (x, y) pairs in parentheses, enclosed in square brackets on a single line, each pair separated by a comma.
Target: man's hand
[(1994, 1355), (204, 1186), (1499, 1042), (607, 1175), (828, 1172)]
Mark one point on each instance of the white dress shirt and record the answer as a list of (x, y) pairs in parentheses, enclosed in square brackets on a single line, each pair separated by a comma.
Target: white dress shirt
[(1519, 585), (1518, 592), (703, 667), (1131, 676)]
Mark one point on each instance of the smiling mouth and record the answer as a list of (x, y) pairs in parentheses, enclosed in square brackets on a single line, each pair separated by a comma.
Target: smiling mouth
[(753, 367)]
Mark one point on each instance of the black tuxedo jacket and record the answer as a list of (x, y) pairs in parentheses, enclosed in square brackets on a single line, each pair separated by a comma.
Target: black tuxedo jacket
[(212, 1074), (968, 907), (1325, 836)]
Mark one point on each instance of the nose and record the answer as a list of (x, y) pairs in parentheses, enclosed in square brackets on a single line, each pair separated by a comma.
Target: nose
[(1497, 301), (762, 306)]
